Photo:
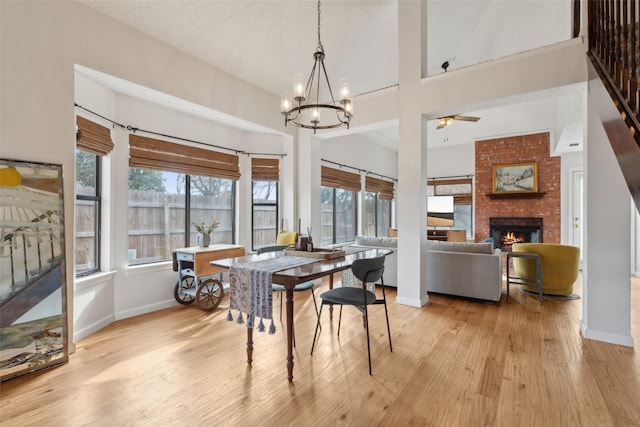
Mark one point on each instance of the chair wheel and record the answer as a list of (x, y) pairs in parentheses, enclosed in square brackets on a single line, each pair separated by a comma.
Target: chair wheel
[(209, 294), (188, 282)]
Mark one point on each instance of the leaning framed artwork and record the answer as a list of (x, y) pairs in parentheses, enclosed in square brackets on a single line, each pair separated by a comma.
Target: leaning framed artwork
[(515, 178), (33, 325)]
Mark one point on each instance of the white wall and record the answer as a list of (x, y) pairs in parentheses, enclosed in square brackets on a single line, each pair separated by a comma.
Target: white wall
[(454, 160), (635, 252), (360, 153)]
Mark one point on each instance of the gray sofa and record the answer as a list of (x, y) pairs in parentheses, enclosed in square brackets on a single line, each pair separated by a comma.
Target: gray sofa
[(391, 262), (472, 270)]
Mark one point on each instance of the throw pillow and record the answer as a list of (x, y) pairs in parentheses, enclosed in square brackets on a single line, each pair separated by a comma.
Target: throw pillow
[(287, 238), (488, 240)]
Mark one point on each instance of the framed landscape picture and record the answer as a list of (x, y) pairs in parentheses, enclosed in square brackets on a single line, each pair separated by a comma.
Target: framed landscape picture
[(515, 178), (33, 325)]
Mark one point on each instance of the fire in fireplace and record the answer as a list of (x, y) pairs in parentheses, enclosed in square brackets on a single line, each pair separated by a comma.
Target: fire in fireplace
[(509, 230)]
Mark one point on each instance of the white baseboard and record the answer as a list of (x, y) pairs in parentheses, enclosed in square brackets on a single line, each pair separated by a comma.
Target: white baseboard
[(412, 302), (626, 340), (94, 327), (145, 309)]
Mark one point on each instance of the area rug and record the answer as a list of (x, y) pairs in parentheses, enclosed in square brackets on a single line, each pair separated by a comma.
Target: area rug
[(549, 296)]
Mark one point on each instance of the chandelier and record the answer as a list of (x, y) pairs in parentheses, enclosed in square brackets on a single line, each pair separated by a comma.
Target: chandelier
[(303, 108)]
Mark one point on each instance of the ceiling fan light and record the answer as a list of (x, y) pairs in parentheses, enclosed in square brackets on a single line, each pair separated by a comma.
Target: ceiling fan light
[(445, 121)]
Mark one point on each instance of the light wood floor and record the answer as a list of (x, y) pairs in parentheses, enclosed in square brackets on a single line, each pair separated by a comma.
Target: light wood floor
[(455, 363)]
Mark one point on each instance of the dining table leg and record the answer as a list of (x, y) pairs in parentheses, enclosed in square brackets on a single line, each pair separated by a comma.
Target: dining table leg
[(289, 303), (249, 345)]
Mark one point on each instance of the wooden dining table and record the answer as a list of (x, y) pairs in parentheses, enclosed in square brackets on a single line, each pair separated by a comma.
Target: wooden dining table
[(290, 277)]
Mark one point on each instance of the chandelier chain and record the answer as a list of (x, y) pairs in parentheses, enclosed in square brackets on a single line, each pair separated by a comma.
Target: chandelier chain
[(320, 47)]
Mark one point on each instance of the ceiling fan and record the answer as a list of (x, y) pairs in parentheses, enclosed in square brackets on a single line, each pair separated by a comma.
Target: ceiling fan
[(447, 120)]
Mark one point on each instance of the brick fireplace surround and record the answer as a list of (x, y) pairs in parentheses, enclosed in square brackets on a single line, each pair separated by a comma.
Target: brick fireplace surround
[(510, 150)]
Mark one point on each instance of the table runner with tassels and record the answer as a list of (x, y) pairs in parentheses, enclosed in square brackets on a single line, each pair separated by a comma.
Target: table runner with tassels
[(250, 288)]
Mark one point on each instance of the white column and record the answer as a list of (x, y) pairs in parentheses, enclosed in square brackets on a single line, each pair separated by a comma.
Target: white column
[(309, 154), (288, 184), (244, 230), (606, 305), (412, 159)]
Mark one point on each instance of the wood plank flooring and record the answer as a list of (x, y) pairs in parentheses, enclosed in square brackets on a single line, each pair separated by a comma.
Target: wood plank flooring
[(455, 363)]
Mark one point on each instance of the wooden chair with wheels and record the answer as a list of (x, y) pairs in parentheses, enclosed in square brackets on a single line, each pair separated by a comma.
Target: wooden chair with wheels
[(367, 270)]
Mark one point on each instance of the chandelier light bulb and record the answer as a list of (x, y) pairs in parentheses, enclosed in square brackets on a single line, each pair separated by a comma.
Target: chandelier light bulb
[(298, 87), (285, 105), (348, 106), (345, 88)]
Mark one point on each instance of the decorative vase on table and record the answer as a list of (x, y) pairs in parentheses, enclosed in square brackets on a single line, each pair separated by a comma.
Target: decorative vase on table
[(204, 232), (204, 240)]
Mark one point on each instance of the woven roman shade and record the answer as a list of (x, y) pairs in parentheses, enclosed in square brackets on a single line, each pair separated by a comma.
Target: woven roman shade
[(149, 153), (92, 137), (384, 188), (340, 179), (461, 189), (265, 169)]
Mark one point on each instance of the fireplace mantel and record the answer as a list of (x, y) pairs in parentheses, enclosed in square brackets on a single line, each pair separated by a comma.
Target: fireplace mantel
[(516, 195)]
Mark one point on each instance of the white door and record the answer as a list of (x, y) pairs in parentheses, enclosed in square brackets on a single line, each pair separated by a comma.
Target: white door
[(576, 209)]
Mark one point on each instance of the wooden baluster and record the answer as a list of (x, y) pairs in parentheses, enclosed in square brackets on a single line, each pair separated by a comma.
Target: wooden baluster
[(612, 40), (633, 80), (605, 44), (625, 49), (599, 19), (575, 30), (617, 77), (595, 23)]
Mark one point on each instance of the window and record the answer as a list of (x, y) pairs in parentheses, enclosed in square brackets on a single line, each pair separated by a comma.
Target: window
[(87, 213), (377, 215), (377, 205), (265, 213), (462, 192), (338, 204), (172, 186), (265, 174), (92, 142)]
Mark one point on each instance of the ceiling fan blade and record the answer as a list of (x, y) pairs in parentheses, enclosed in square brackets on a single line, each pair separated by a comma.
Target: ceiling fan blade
[(441, 125), (466, 118)]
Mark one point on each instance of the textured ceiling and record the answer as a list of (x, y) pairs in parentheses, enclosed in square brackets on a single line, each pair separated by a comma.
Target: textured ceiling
[(265, 42)]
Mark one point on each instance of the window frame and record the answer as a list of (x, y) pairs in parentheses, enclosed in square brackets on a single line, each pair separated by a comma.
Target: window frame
[(275, 204), (188, 226), (334, 214), (97, 199)]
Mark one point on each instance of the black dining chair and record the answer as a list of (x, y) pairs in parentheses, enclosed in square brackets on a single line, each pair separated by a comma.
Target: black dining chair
[(281, 289), (368, 270)]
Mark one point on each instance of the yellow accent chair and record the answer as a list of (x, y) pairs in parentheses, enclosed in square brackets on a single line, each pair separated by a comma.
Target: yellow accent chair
[(559, 264)]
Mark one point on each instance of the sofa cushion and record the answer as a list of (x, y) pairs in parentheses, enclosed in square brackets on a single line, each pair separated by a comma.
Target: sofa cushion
[(476, 248), (383, 242)]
